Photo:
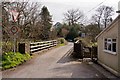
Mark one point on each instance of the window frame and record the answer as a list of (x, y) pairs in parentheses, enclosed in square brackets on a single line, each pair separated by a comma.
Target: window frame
[(109, 41)]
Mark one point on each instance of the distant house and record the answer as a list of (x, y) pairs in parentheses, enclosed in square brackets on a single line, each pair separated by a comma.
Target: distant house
[(109, 47), (58, 24)]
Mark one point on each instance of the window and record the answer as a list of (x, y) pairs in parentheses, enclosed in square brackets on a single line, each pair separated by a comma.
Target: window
[(105, 44), (114, 45), (110, 44)]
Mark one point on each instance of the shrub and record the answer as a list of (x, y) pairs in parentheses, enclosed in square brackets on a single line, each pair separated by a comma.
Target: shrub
[(11, 59), (61, 40)]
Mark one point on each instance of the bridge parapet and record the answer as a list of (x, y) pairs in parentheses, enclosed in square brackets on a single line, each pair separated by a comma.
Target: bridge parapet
[(36, 46)]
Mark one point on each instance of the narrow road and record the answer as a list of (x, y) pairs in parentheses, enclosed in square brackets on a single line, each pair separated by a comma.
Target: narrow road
[(55, 63)]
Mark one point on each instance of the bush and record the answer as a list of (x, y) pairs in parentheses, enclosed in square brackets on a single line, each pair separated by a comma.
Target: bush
[(62, 41), (7, 46), (11, 59)]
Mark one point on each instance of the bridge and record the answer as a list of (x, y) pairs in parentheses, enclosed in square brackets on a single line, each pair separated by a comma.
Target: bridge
[(57, 63)]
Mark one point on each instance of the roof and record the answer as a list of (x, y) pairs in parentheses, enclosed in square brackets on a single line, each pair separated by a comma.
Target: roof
[(110, 26)]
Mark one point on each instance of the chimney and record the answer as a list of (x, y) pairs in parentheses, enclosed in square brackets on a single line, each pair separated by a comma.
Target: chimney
[(118, 8)]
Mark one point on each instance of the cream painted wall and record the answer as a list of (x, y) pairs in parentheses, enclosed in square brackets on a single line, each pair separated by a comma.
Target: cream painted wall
[(108, 59), (119, 46)]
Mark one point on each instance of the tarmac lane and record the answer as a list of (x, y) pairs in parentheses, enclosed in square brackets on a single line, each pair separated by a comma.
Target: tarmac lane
[(55, 63)]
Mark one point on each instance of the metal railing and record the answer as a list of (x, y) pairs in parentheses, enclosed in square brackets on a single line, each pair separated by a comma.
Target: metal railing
[(38, 46)]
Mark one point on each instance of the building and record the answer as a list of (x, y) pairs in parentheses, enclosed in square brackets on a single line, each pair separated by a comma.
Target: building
[(58, 24), (109, 47)]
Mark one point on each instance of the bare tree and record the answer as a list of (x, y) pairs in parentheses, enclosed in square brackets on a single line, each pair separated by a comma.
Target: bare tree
[(97, 17), (103, 15), (73, 16), (29, 15), (108, 12)]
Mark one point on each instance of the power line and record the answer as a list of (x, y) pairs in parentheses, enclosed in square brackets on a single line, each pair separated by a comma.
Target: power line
[(96, 6), (93, 9)]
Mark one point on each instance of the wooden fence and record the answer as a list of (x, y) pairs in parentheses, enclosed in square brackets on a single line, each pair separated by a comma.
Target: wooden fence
[(38, 46)]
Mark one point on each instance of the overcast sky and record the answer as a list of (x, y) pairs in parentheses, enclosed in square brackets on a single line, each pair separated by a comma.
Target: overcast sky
[(58, 7)]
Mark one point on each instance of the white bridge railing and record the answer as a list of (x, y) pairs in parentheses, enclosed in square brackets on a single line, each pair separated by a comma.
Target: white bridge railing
[(38, 46)]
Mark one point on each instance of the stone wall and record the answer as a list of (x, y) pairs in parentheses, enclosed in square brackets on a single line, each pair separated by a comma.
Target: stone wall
[(24, 47)]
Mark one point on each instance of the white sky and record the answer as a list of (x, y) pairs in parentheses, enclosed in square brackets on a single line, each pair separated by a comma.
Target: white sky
[(58, 7)]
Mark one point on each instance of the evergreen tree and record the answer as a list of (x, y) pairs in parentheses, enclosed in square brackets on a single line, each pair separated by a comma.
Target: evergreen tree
[(46, 22), (73, 33)]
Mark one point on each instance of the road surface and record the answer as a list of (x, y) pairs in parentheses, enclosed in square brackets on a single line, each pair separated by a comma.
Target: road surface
[(55, 63)]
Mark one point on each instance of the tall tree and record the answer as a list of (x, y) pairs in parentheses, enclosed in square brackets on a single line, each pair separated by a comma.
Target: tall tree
[(46, 23), (27, 18), (73, 16), (73, 33), (103, 15), (108, 12)]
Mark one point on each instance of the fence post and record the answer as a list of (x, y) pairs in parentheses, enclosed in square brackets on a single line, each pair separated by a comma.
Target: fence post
[(24, 47), (94, 53), (78, 49)]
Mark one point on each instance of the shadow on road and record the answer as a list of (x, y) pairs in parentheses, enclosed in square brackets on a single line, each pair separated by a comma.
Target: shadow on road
[(76, 68), (66, 58)]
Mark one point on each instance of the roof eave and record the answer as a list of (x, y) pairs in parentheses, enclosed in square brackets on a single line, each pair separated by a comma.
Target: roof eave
[(107, 27)]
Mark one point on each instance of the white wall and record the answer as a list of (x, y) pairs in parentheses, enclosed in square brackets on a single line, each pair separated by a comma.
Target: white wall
[(119, 6)]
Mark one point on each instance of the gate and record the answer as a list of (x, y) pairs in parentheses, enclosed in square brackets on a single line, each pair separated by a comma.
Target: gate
[(81, 51), (94, 54), (78, 52)]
